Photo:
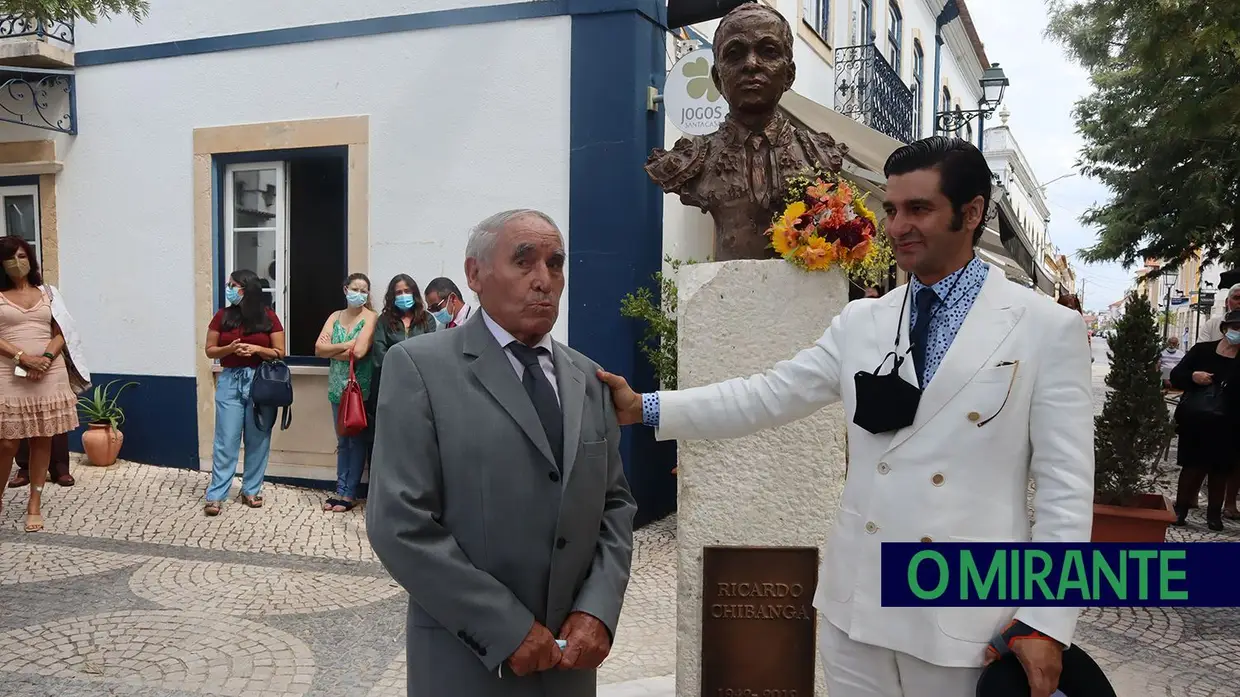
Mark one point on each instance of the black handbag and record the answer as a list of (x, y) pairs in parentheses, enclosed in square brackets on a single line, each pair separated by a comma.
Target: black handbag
[(1207, 402), (272, 389)]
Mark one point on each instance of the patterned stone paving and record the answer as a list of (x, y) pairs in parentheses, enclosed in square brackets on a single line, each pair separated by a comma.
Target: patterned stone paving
[(253, 591), (131, 590)]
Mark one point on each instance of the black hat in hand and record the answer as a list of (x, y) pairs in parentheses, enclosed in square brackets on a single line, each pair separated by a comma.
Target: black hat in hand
[(1081, 677)]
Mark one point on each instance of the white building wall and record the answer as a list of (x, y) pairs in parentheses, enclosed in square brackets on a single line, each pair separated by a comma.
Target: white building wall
[(179, 20), (487, 129)]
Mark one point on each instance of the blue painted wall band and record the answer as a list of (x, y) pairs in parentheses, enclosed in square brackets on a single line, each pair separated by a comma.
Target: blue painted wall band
[(616, 219), (438, 19)]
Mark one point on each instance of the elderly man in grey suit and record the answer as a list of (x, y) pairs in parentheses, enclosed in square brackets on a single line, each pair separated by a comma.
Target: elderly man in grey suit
[(497, 495)]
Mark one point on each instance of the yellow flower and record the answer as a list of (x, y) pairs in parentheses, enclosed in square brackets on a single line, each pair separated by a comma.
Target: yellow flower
[(783, 232), (817, 254), (859, 205)]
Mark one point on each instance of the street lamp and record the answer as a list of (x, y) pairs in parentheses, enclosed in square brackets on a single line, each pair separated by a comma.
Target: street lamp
[(994, 85)]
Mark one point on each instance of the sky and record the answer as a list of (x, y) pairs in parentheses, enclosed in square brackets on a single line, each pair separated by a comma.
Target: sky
[(1045, 86)]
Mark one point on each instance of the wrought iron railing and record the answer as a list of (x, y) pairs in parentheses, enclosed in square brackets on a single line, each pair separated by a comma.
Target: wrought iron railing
[(868, 90), (39, 98), (13, 26)]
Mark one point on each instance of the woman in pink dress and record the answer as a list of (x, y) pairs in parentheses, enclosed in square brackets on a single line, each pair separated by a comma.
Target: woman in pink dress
[(36, 401)]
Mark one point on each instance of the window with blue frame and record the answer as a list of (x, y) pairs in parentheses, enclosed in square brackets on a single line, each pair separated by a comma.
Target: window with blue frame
[(918, 86), (817, 14), (895, 36)]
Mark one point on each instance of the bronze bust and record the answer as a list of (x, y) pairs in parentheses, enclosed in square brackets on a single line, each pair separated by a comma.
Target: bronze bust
[(738, 173)]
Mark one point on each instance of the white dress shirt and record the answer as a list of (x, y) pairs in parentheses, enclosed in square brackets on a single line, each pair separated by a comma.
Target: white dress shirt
[(544, 359), (461, 315)]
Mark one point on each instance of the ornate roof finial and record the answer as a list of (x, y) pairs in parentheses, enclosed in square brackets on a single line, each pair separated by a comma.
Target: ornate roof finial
[(1004, 115)]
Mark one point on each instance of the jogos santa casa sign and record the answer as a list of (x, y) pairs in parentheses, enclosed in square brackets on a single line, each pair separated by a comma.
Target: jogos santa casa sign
[(693, 103)]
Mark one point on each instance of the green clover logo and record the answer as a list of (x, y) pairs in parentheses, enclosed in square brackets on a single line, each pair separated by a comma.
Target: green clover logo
[(700, 83)]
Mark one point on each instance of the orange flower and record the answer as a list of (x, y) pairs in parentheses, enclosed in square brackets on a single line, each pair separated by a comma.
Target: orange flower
[(820, 191), (858, 252)]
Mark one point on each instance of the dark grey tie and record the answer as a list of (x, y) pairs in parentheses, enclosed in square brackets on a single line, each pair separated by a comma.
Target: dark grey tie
[(543, 396)]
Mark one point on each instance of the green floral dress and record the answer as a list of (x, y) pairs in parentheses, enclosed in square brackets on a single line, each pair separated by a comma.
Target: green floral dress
[(338, 373)]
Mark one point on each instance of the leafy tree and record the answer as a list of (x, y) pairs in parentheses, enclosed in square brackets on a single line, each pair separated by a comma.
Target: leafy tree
[(59, 10), (1162, 124), (1134, 424)]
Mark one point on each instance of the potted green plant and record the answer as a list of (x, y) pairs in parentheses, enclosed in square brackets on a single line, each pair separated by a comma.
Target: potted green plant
[(103, 439), (1130, 433)]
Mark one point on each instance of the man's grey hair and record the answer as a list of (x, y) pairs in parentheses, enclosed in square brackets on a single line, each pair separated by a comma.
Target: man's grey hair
[(482, 237)]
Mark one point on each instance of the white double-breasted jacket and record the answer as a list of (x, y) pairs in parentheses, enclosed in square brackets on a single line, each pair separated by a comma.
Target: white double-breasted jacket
[(1011, 401)]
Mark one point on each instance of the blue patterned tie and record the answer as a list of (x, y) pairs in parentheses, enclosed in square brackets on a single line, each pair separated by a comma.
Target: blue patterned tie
[(926, 298)]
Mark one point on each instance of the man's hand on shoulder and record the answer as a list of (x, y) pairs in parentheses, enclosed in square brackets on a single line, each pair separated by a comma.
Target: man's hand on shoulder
[(537, 652), (588, 642), (627, 402)]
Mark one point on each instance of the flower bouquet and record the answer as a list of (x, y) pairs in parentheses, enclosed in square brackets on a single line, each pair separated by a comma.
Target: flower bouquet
[(825, 223)]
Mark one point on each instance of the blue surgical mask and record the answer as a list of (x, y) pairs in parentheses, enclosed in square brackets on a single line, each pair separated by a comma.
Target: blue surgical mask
[(442, 316), (404, 301), (1233, 336), (355, 298), (232, 295)]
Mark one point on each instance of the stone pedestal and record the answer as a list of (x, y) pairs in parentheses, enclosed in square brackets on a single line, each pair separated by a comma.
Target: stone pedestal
[(779, 487)]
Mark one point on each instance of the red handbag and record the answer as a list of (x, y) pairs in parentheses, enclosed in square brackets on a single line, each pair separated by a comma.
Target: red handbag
[(351, 415)]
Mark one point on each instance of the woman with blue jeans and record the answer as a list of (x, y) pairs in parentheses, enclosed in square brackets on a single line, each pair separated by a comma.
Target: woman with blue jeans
[(241, 336), (347, 335)]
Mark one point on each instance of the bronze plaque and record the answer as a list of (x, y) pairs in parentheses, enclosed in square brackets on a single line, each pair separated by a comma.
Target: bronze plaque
[(758, 621)]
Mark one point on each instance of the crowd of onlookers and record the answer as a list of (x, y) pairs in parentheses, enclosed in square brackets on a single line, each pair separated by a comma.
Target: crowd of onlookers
[(354, 339)]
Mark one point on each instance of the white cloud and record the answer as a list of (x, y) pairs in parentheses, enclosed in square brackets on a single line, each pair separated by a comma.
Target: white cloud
[(1045, 88)]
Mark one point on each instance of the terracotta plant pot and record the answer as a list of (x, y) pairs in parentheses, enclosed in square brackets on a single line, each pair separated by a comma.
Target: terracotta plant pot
[(102, 444), (1146, 520)]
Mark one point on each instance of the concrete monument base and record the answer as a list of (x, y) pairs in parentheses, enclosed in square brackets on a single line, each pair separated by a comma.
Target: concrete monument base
[(776, 488)]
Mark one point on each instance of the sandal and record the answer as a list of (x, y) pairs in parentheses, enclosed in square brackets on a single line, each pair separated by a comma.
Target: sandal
[(212, 508), (19, 480), (340, 505), (1231, 515), (252, 501), (34, 522), (66, 480)]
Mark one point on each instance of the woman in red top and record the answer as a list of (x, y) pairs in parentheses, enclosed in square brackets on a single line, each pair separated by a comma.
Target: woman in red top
[(241, 336)]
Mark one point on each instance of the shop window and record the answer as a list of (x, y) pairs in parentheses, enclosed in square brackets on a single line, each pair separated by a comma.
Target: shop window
[(284, 217), (817, 13), (21, 215)]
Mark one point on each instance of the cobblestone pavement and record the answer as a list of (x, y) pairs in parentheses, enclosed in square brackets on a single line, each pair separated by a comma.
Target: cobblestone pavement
[(132, 591)]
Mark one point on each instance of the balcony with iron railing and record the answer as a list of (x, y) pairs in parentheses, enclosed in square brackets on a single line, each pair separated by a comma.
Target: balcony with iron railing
[(868, 90), (35, 43), (37, 84)]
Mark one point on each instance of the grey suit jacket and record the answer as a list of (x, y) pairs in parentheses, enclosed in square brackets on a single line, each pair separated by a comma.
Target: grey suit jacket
[(468, 511)]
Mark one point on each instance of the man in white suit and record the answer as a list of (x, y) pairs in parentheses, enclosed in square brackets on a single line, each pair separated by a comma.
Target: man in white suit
[(942, 447)]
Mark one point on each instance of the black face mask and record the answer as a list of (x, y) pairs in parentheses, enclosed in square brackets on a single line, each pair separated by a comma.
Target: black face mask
[(885, 403)]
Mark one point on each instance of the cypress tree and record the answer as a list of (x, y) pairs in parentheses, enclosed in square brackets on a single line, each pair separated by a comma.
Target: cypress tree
[(1134, 423)]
